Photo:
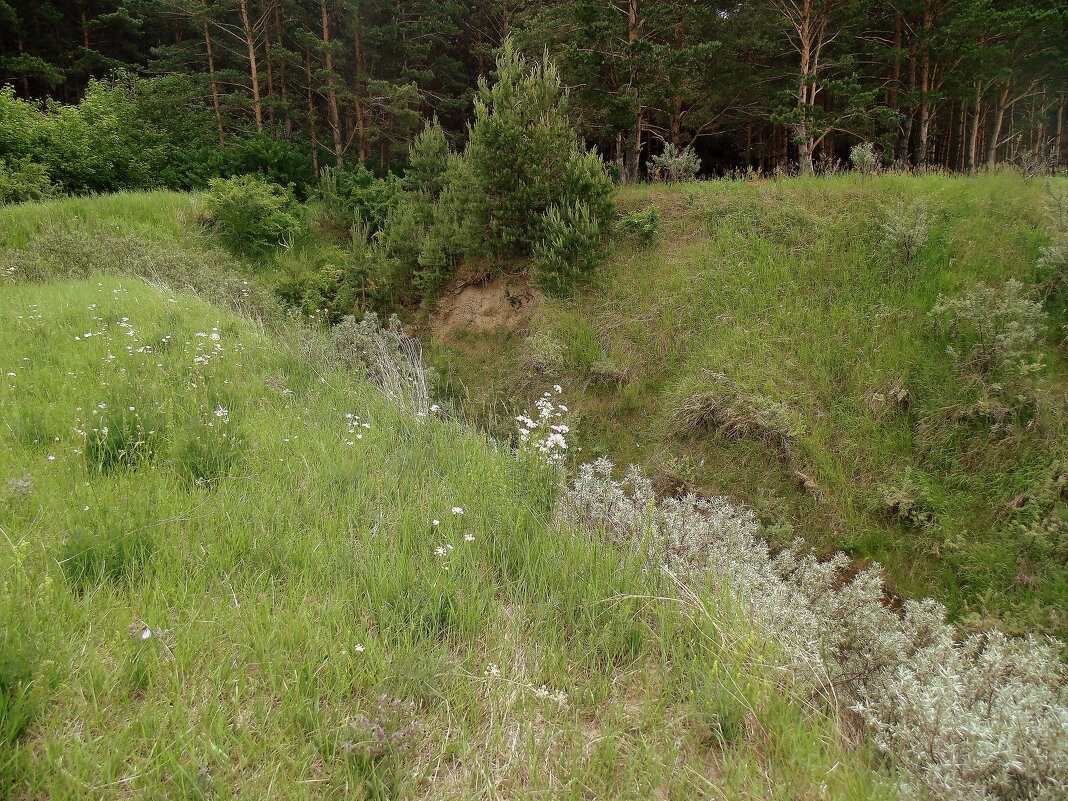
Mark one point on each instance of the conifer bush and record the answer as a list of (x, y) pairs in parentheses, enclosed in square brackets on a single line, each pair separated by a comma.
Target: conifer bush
[(568, 249), (522, 160)]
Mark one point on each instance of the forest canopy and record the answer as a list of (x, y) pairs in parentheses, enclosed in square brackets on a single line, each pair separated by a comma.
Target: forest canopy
[(286, 87)]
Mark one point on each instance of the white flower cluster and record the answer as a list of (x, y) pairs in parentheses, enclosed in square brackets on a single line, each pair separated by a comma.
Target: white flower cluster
[(985, 718), (356, 428), (542, 693), (448, 547), (546, 435)]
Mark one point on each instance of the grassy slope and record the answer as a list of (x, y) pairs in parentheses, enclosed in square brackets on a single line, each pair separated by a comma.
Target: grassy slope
[(304, 543), (785, 288)]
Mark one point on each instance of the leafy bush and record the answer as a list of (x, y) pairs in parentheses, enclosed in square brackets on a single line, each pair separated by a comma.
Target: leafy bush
[(249, 214), (22, 180), (990, 328), (643, 225), (863, 158), (354, 196), (675, 164), (982, 718), (568, 250)]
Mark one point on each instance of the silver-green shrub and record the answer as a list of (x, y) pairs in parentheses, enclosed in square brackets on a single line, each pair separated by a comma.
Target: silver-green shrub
[(990, 328), (675, 164), (390, 359), (982, 718), (863, 158), (906, 229)]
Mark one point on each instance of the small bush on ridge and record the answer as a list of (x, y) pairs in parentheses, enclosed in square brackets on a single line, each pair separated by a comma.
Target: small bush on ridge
[(675, 164), (990, 328), (863, 158), (644, 225)]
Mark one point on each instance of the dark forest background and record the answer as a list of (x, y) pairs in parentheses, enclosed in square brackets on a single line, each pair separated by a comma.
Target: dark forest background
[(290, 86)]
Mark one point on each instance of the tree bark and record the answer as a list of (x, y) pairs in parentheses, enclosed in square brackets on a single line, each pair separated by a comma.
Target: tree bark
[(977, 120), (214, 83), (333, 120), (995, 133), (253, 69), (312, 122)]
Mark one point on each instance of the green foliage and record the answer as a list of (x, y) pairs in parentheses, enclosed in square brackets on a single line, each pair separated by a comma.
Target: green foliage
[(250, 215), (569, 249), (428, 159), (675, 164), (121, 436), (522, 158), (24, 180), (105, 552), (644, 226), (354, 196)]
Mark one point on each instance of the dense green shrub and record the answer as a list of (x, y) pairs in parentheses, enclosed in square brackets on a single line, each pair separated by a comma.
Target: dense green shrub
[(643, 225), (288, 163), (355, 196), (428, 161), (522, 158), (22, 180), (138, 133), (249, 214)]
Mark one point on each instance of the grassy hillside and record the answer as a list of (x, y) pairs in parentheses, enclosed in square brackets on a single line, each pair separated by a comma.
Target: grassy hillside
[(775, 344), (215, 583)]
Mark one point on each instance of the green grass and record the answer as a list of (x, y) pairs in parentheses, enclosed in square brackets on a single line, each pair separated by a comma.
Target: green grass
[(307, 641), (157, 216), (787, 289)]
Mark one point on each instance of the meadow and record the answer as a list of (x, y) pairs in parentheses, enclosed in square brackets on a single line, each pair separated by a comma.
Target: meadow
[(232, 570)]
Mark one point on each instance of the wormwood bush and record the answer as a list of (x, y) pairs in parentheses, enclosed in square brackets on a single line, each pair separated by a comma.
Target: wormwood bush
[(982, 718), (249, 214), (569, 248), (907, 229), (990, 328), (675, 164), (390, 359), (863, 158)]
